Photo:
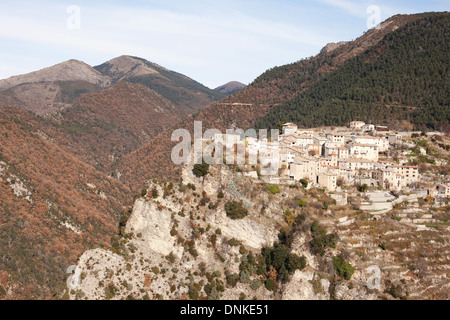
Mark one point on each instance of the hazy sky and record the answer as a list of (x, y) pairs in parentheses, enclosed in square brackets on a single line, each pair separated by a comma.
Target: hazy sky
[(212, 42)]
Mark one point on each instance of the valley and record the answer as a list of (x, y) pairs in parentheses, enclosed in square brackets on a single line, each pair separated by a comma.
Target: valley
[(356, 210)]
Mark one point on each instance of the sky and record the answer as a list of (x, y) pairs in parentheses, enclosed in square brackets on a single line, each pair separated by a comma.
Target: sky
[(212, 42)]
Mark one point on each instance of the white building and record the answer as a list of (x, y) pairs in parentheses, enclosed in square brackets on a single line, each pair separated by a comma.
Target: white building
[(368, 127), (328, 181), (320, 140), (353, 165), (343, 153), (363, 151), (303, 140), (331, 149), (355, 125), (444, 190), (381, 143), (307, 168), (336, 138), (410, 174), (388, 179), (290, 128), (395, 139)]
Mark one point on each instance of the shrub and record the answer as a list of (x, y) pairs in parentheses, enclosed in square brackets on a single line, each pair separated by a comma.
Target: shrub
[(234, 242), (270, 285), (274, 189), (155, 193), (304, 183), (155, 270), (193, 292), (321, 242), (289, 217), (302, 203), (110, 292), (244, 276), (256, 284), (232, 279), (191, 186), (235, 210), (343, 268), (284, 262), (363, 188), (294, 262), (182, 188)]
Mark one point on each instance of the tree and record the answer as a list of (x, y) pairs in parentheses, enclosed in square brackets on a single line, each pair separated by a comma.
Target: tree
[(364, 188), (304, 183), (281, 263), (270, 284), (279, 126), (201, 170), (321, 240)]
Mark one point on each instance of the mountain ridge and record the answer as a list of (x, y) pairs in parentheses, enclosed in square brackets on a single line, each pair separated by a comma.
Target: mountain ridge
[(401, 78), (57, 87)]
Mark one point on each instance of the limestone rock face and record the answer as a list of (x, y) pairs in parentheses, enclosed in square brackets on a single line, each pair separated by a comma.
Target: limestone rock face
[(251, 233), (301, 247), (154, 225), (300, 287), (331, 47)]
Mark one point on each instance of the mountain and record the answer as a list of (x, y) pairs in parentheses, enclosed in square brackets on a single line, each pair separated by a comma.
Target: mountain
[(52, 88), (102, 127), (189, 95), (52, 207), (72, 70), (57, 88), (104, 113), (230, 88), (404, 77), (94, 137), (247, 107)]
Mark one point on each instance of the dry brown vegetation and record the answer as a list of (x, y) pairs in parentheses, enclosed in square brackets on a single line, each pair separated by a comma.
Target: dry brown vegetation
[(35, 246)]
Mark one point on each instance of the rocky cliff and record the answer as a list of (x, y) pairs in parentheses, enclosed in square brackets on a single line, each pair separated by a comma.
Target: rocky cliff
[(179, 242)]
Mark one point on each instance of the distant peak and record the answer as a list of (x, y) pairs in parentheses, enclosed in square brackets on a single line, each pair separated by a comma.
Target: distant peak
[(230, 87)]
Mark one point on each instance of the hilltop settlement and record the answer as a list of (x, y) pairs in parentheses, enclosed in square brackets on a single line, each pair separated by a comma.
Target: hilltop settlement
[(361, 154)]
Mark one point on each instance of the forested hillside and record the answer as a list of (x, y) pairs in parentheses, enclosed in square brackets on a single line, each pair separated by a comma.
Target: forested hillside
[(103, 127), (186, 93), (52, 207), (404, 77)]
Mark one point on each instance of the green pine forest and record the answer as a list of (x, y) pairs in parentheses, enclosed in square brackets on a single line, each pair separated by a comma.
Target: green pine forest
[(404, 77)]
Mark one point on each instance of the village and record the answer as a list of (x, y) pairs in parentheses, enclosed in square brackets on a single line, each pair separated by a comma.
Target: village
[(369, 157)]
